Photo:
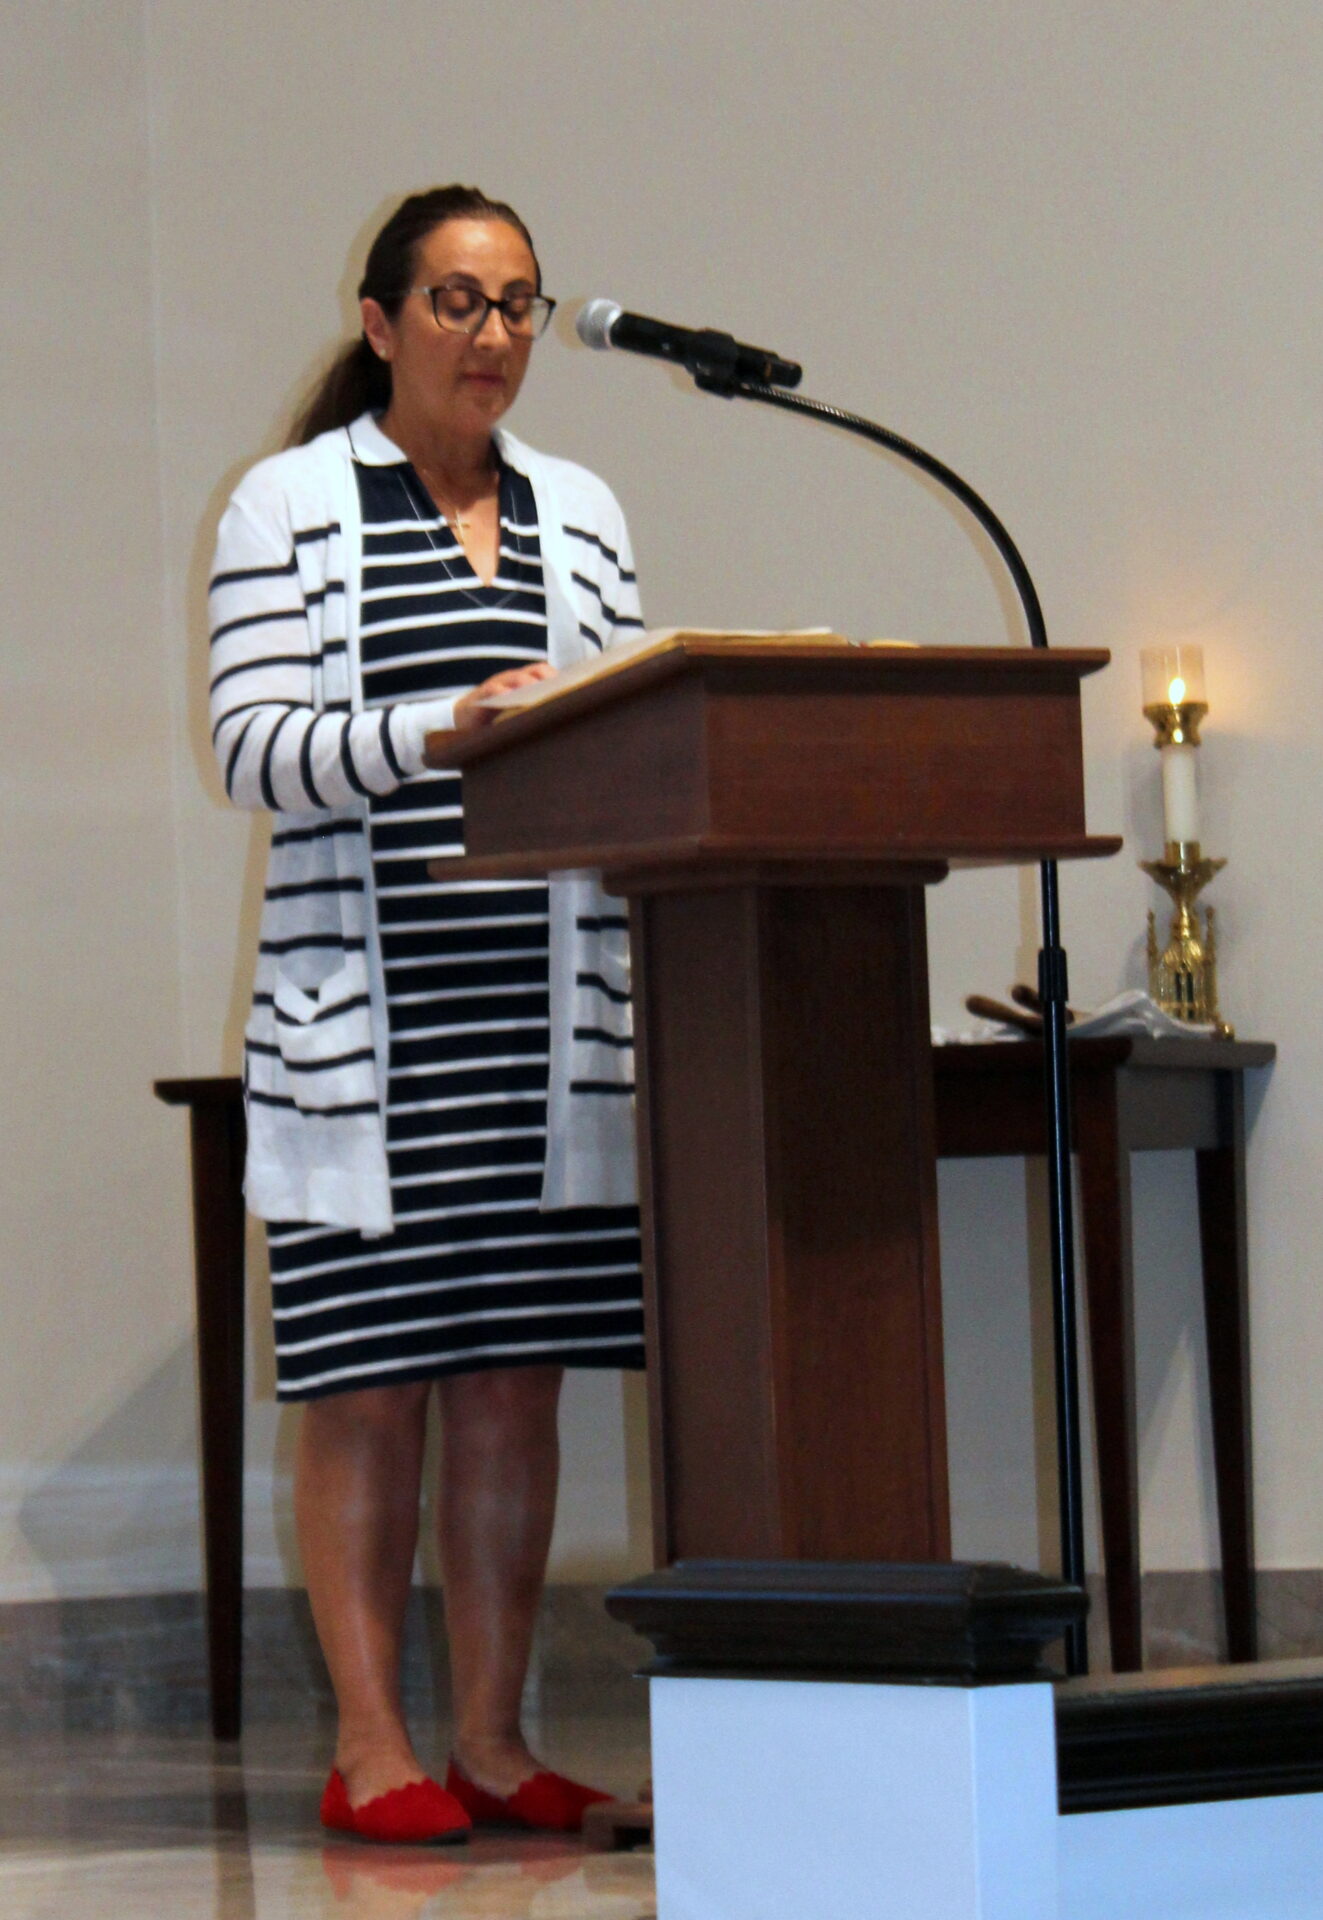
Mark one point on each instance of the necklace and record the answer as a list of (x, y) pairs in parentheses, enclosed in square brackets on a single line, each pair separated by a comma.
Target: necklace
[(453, 520), (459, 524), (487, 604)]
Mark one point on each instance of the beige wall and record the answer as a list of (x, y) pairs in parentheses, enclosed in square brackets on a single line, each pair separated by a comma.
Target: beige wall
[(1068, 248)]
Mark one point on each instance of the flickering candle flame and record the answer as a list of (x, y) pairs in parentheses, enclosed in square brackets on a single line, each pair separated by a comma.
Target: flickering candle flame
[(1173, 677)]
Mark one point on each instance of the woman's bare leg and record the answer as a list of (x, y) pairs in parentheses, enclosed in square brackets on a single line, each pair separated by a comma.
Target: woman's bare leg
[(357, 1484), (500, 1464)]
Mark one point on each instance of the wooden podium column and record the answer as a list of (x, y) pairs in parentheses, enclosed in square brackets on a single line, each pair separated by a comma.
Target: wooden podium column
[(790, 1221)]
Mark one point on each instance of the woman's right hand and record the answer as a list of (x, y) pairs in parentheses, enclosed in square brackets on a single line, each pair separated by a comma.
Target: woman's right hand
[(470, 713)]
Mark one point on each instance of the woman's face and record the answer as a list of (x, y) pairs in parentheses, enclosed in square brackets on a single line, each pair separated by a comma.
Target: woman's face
[(454, 385)]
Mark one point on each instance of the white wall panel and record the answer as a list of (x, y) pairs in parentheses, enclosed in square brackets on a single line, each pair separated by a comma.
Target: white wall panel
[(1068, 248)]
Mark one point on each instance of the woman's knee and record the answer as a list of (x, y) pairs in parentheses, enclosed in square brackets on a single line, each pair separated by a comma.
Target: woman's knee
[(369, 1413), (500, 1400)]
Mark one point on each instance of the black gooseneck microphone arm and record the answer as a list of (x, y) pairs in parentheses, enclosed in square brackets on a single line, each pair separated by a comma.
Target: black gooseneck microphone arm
[(1052, 987)]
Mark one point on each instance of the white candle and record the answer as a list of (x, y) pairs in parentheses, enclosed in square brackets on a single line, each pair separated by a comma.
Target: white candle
[(1180, 793)]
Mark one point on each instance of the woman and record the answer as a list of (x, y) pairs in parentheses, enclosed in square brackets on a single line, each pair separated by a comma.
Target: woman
[(438, 1077)]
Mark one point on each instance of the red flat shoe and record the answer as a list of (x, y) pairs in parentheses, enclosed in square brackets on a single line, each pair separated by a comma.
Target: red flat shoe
[(548, 1801), (405, 1816)]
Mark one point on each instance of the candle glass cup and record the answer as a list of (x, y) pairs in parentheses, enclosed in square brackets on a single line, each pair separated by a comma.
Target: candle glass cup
[(1175, 698)]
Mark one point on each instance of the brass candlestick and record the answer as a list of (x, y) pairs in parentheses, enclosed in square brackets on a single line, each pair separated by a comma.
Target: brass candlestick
[(1182, 976)]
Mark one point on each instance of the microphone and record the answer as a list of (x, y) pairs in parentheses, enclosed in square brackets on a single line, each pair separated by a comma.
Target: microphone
[(717, 361)]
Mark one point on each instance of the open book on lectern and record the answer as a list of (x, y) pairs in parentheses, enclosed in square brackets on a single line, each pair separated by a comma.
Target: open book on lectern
[(664, 640)]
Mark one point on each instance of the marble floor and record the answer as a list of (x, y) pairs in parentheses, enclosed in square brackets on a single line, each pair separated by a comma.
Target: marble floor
[(145, 1825)]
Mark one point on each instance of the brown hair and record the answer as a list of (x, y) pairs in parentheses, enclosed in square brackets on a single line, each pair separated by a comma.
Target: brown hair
[(357, 381)]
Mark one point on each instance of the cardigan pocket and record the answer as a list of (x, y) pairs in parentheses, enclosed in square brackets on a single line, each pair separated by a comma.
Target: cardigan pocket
[(325, 1041)]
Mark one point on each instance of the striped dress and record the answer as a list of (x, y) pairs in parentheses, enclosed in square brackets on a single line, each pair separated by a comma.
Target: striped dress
[(475, 1275)]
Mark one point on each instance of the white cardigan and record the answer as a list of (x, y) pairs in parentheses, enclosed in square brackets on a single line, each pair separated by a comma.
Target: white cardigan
[(291, 736)]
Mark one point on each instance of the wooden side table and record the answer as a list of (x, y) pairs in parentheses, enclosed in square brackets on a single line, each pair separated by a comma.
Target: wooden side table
[(1130, 1095)]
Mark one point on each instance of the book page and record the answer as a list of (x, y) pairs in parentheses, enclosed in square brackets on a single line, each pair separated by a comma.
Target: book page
[(657, 640)]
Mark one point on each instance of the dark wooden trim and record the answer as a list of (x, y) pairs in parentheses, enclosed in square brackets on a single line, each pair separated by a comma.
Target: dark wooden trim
[(956, 1623), (1200, 1733), (716, 861), (716, 870)]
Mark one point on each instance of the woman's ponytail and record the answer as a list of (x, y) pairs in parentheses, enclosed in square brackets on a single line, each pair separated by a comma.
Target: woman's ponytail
[(355, 382)]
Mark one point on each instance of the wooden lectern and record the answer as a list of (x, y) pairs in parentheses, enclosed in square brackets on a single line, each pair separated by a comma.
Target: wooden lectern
[(773, 810)]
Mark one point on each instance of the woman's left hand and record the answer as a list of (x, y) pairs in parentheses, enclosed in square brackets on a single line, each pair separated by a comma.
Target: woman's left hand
[(470, 713)]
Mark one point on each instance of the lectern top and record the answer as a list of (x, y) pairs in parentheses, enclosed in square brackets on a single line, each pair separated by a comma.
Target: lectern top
[(749, 662), (799, 755)]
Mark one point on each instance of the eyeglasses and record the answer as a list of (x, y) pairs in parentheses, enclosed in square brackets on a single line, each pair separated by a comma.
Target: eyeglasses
[(460, 308)]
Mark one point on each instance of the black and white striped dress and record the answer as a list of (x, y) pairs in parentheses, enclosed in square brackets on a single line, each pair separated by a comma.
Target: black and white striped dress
[(475, 1275)]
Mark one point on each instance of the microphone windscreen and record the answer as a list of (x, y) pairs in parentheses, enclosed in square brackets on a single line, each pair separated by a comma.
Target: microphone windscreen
[(595, 322)]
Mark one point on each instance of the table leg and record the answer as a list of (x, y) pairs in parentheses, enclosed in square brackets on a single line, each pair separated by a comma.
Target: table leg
[(1104, 1171), (1223, 1242), (217, 1136)]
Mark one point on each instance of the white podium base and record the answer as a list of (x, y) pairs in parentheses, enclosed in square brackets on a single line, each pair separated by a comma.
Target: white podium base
[(785, 1799), (840, 1800), (1217, 1860)]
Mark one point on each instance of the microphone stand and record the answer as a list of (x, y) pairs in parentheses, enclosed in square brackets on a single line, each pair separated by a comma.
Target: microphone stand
[(713, 369)]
